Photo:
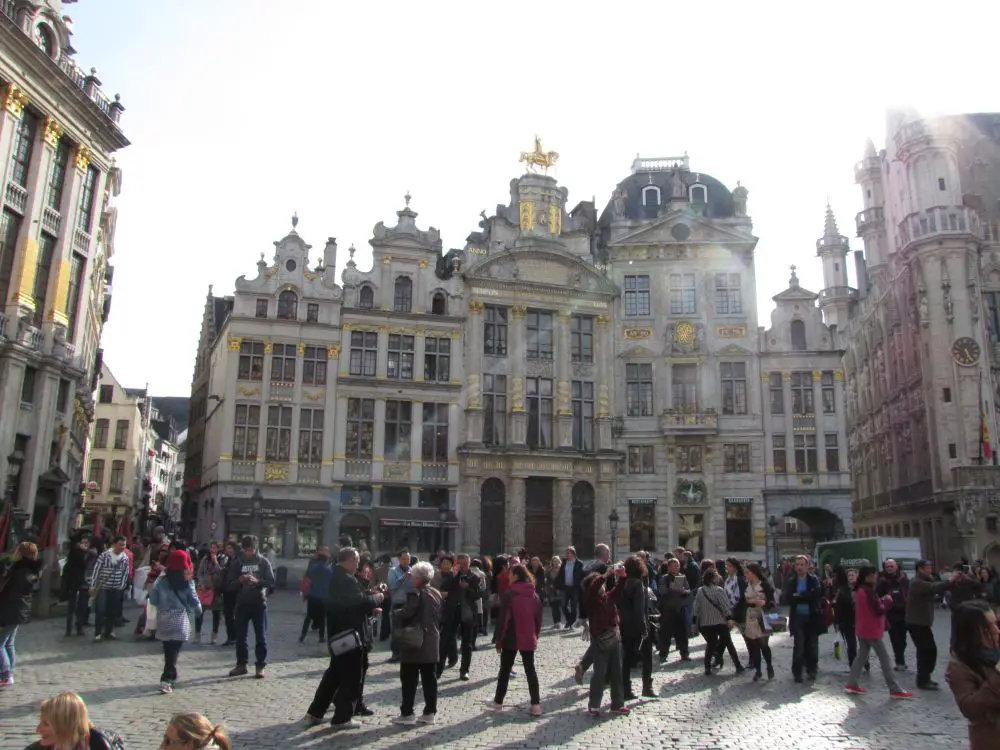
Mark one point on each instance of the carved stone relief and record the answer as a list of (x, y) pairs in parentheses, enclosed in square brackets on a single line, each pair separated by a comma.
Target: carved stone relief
[(539, 368)]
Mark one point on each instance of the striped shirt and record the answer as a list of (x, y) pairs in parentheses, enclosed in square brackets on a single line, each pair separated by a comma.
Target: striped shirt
[(711, 606), (109, 574)]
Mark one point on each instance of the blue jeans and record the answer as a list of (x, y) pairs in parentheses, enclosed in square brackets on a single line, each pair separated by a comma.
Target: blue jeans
[(569, 604), (107, 611), (7, 635), (244, 617)]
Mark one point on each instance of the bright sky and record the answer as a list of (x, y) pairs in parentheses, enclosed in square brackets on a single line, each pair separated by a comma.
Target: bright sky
[(241, 113)]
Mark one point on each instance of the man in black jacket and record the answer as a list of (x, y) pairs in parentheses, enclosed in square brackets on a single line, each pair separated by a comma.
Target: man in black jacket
[(465, 586), (802, 591), (568, 585), (349, 608), (894, 582), (74, 584)]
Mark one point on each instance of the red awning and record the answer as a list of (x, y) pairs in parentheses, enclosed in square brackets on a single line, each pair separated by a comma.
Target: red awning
[(421, 518)]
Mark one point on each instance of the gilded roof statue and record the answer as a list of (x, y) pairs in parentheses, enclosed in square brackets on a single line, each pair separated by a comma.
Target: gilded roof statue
[(539, 158)]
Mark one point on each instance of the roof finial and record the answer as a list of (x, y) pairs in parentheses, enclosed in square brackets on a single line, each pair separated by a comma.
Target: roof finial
[(830, 225), (295, 220), (794, 281), (407, 198), (351, 251)]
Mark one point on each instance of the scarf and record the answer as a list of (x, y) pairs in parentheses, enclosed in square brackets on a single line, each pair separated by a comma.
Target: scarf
[(873, 601)]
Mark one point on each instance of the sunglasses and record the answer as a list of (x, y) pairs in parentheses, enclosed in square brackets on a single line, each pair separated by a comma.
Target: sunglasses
[(167, 742)]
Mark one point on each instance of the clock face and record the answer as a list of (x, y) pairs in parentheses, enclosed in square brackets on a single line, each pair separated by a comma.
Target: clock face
[(965, 351)]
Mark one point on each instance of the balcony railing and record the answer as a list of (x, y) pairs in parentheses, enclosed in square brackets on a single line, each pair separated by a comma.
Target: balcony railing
[(659, 164), (81, 241), (434, 472), (674, 421), (866, 164), (88, 84), (937, 221), (838, 292), (15, 196), (870, 218), (51, 221), (358, 468)]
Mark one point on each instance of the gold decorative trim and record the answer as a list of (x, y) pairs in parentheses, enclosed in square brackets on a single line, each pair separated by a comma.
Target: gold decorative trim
[(14, 100), (634, 334), (311, 276), (53, 132), (302, 349), (555, 219), (563, 315), (838, 375), (248, 391), (347, 325), (731, 332), (225, 457), (234, 343), (817, 376), (456, 334), (765, 377), (424, 264), (476, 306), (81, 159), (518, 311), (786, 377), (268, 347), (29, 263), (313, 396), (603, 320), (386, 260), (275, 472), (333, 351), (383, 329), (526, 211)]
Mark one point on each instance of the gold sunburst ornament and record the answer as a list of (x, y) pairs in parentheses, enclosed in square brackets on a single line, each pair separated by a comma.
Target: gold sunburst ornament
[(684, 333)]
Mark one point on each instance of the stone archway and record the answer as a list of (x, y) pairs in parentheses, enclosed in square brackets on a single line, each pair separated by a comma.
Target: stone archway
[(582, 520), (493, 518)]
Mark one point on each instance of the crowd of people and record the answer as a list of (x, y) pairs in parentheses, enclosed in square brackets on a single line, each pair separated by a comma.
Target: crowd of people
[(631, 612)]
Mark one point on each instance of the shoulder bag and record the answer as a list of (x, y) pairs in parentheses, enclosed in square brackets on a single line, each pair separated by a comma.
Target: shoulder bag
[(343, 642), (607, 640), (410, 637)]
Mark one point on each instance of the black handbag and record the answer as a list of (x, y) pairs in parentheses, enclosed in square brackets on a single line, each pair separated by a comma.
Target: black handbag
[(409, 637)]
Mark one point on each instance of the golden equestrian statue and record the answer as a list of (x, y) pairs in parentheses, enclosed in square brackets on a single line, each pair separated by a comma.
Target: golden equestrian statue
[(539, 158)]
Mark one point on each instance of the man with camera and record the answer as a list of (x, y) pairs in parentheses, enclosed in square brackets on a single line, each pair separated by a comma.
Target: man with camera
[(462, 589)]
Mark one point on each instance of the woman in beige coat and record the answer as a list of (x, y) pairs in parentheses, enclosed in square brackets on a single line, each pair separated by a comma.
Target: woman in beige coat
[(974, 672)]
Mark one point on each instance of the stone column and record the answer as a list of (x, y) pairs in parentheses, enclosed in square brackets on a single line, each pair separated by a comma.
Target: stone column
[(419, 349), (473, 382), (562, 515), (514, 525), (817, 383), (604, 501), (470, 514), (604, 357), (416, 442), (387, 290), (420, 289), (382, 357), (344, 366), (515, 353), (564, 408), (378, 439)]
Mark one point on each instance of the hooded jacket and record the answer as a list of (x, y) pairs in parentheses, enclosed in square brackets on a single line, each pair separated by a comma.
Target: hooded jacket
[(254, 594), (16, 587), (522, 620)]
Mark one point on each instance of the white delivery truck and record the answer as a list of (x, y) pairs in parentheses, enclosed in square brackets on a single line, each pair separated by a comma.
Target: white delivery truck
[(853, 553)]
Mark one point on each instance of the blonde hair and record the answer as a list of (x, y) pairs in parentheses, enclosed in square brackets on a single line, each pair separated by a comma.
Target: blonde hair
[(66, 714), (25, 550), (200, 732)]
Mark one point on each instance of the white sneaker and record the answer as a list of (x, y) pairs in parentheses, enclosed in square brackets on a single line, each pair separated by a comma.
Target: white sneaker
[(349, 724), (405, 721), (427, 719), (492, 705), (166, 688)]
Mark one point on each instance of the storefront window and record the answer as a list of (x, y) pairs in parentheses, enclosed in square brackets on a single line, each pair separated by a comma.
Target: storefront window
[(237, 528), (356, 495), (309, 538), (691, 531), (273, 537), (433, 497), (391, 539), (642, 524)]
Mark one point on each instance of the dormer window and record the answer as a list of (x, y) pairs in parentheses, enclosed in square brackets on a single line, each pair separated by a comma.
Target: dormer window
[(366, 298), (650, 201), (288, 305), (698, 194), (798, 330), (439, 305), (45, 40), (402, 299)]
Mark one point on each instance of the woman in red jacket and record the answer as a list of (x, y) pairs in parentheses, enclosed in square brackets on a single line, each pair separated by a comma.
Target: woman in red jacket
[(869, 619), (522, 622)]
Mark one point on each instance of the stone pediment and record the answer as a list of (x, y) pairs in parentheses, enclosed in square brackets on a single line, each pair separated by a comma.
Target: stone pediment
[(734, 350), (680, 228), (544, 267), (795, 294), (637, 352)]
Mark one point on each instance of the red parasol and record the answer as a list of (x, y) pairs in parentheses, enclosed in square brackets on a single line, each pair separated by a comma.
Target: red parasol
[(47, 527)]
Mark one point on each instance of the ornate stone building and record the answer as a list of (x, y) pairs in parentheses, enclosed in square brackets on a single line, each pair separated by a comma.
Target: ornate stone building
[(683, 340), (923, 339), (538, 461), (58, 134)]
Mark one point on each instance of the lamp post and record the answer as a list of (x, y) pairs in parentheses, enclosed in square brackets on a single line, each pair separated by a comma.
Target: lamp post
[(256, 503), (773, 523), (443, 515), (613, 525), (14, 463)]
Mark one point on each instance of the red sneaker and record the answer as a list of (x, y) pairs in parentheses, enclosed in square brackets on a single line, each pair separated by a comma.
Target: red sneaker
[(900, 694), (855, 690), (623, 711)]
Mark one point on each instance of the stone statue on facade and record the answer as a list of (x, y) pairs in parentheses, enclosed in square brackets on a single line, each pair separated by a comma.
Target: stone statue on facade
[(925, 316), (618, 201), (740, 200), (677, 187), (473, 391)]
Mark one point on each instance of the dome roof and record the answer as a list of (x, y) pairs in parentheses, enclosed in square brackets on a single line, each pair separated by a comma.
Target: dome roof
[(718, 204)]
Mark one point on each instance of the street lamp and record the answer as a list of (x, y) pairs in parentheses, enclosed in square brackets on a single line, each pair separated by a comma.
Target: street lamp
[(613, 524), (443, 515), (256, 503), (773, 523)]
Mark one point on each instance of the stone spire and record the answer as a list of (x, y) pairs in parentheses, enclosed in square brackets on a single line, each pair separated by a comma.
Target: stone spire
[(830, 230), (870, 149)]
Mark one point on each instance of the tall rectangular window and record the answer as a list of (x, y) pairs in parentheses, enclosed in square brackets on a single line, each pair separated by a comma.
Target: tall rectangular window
[(364, 353), (96, 474), (992, 300), (283, 363), (581, 338), (779, 454), (28, 385), (736, 458), (278, 441), (312, 312), (400, 362), (57, 176), (10, 225), (538, 327), (802, 393), (22, 148), (682, 294), (777, 392), (639, 390), (251, 364), (829, 395), (121, 434), (689, 458), (310, 436), (434, 445), (437, 359), (106, 394), (62, 396), (495, 409), (495, 331), (117, 483), (805, 454), (734, 387), (728, 295), (43, 267), (260, 311), (101, 429), (246, 432), (582, 400), (642, 524), (739, 524), (539, 397), (640, 459), (85, 207), (636, 296), (360, 427), (832, 451), (398, 423), (77, 268), (314, 365), (685, 388)]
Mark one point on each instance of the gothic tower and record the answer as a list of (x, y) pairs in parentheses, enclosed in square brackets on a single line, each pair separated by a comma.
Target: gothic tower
[(836, 297), (871, 220)]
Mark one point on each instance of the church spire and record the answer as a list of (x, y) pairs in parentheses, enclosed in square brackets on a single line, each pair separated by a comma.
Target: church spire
[(830, 230)]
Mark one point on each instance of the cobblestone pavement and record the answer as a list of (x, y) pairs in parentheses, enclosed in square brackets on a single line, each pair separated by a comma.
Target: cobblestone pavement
[(119, 680)]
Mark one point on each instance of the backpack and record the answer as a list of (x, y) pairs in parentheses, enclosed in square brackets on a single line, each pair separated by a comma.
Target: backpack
[(106, 739)]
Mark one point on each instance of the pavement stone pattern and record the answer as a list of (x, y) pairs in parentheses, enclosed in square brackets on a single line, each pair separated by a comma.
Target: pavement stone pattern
[(119, 682)]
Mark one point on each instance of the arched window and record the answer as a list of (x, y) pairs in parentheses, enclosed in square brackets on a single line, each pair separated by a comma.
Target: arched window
[(439, 304), (288, 305), (402, 300), (650, 201), (798, 335), (366, 298), (698, 194)]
